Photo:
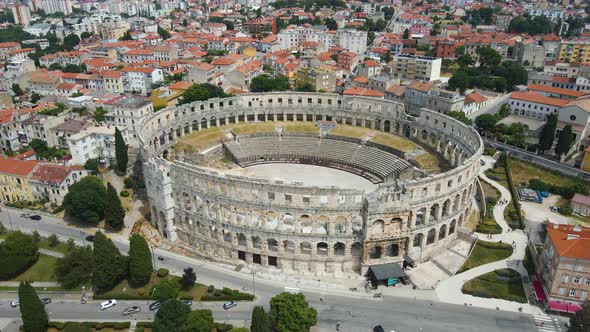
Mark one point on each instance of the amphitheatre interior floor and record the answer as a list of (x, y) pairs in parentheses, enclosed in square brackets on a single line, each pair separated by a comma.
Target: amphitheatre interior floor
[(308, 175)]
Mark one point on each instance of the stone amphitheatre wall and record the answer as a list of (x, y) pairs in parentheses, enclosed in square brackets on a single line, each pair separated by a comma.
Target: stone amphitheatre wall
[(308, 230)]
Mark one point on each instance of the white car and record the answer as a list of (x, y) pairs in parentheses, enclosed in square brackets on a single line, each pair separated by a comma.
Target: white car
[(14, 303), (107, 304)]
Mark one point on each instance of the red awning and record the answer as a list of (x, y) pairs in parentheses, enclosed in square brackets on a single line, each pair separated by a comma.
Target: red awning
[(564, 307), (539, 293)]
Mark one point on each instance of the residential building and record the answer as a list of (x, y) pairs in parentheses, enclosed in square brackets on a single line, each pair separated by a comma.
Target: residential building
[(446, 48), (260, 25), (474, 102), (54, 6), (534, 105), (141, 80), (413, 67), (52, 181), (352, 40), (201, 72), (7, 48), (553, 92), (62, 131), (113, 30), (94, 143), (530, 53), (14, 179), (242, 77), (580, 204), (396, 93), (347, 60), (44, 82), (112, 81), (574, 51), (369, 68), (127, 112), (21, 14), (576, 113), (170, 95), (317, 78)]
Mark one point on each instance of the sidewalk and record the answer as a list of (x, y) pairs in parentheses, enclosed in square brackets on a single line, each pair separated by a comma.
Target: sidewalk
[(449, 290)]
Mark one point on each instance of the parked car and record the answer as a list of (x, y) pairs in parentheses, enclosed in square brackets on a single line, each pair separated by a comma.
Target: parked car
[(90, 238), (131, 310), (35, 217), (155, 306), (229, 304), (107, 304), (554, 209), (45, 301), (187, 302), (14, 303)]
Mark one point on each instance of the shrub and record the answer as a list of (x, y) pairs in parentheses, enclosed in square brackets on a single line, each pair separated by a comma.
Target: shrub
[(217, 292), (162, 273), (139, 329), (141, 291), (57, 209), (186, 297), (145, 324), (128, 182), (53, 240), (221, 327), (125, 193), (211, 289), (166, 289)]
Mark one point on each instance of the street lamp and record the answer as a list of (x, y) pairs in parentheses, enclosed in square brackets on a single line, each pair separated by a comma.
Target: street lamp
[(153, 256), (254, 282)]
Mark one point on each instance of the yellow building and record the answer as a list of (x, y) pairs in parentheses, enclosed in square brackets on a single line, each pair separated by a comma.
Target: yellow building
[(113, 82), (574, 52), (14, 179), (169, 96), (586, 161)]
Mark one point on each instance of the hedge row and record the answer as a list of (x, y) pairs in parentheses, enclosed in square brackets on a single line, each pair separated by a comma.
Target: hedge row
[(223, 297), (515, 202), (145, 324), (13, 266), (565, 191), (96, 325)]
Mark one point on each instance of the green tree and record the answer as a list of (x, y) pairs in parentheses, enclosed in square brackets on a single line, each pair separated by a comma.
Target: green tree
[(519, 133), (121, 152), (486, 122), (465, 60), (331, 24), (17, 89), (202, 91), (99, 114), (548, 134), (75, 268), (86, 200), (459, 50), (406, 34), (171, 317), (140, 261), (488, 57), (166, 289), (110, 264), (17, 253), (461, 117), (70, 41), (163, 33), (32, 310), (126, 36), (565, 141), (114, 215), (580, 321), (35, 97), (189, 277), (291, 312), (91, 165), (77, 327), (265, 83), (260, 320), (459, 81), (53, 240), (86, 35), (199, 321)]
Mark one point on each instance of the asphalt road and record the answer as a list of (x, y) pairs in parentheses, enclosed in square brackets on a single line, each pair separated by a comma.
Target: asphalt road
[(355, 313)]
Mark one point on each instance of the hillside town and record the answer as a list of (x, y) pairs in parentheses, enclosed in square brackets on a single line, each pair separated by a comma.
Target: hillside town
[(80, 78)]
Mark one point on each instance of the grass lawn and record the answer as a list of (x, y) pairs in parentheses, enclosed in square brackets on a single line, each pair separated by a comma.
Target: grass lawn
[(523, 171), (497, 174), (196, 292), (61, 247), (472, 221), (124, 290), (488, 226), (503, 284), (490, 193), (42, 270), (486, 252)]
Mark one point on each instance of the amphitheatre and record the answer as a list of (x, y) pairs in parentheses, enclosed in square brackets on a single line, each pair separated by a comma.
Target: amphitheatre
[(308, 183)]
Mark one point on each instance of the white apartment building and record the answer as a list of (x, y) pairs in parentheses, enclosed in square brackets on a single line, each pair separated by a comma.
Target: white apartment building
[(127, 112), (533, 105), (141, 80), (413, 67), (352, 40), (93, 143), (21, 14), (54, 6)]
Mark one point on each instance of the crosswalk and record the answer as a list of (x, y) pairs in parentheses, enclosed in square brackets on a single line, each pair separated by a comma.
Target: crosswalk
[(545, 323)]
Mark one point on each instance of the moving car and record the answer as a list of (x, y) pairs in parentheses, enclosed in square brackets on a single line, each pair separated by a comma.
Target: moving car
[(155, 306), (229, 304), (187, 302), (107, 304), (46, 301), (90, 238), (131, 310), (14, 303), (35, 217)]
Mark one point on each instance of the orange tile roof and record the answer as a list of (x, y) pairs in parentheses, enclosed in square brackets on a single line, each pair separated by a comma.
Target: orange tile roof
[(359, 91), (560, 91), (17, 167), (475, 97), (51, 173), (110, 74), (225, 61), (534, 97), (420, 86), (397, 90), (181, 85), (578, 245), (361, 79)]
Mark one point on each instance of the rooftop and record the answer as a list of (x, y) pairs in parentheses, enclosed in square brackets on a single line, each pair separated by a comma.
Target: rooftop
[(16, 166), (534, 97), (570, 241)]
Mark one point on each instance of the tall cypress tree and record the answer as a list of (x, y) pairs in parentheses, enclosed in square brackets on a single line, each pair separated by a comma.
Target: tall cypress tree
[(565, 141), (114, 214), (548, 134), (260, 320), (110, 265), (140, 260), (120, 151), (32, 310)]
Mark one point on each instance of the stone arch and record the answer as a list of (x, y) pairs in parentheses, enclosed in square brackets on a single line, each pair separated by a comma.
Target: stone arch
[(289, 246), (452, 226), (431, 236), (442, 232), (376, 252), (434, 212), (386, 126), (356, 249), (421, 216), (322, 249), (446, 209), (305, 248), (227, 236), (392, 250), (339, 249), (457, 203), (273, 244), (204, 123), (378, 226), (242, 240), (418, 239), (424, 135)]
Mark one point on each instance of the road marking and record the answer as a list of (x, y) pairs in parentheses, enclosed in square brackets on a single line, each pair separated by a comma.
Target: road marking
[(545, 323)]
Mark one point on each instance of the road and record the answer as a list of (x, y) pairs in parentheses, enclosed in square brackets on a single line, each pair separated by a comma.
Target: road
[(357, 313)]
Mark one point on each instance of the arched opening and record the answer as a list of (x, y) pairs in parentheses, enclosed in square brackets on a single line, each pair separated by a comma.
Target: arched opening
[(305, 248), (378, 226), (424, 135), (322, 249), (339, 249), (356, 250), (421, 216), (452, 227), (431, 236), (393, 250), (203, 123), (418, 240), (443, 232), (213, 122), (227, 236), (242, 241), (446, 210), (434, 209), (386, 126), (457, 202), (376, 252), (289, 246), (273, 245), (256, 242)]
